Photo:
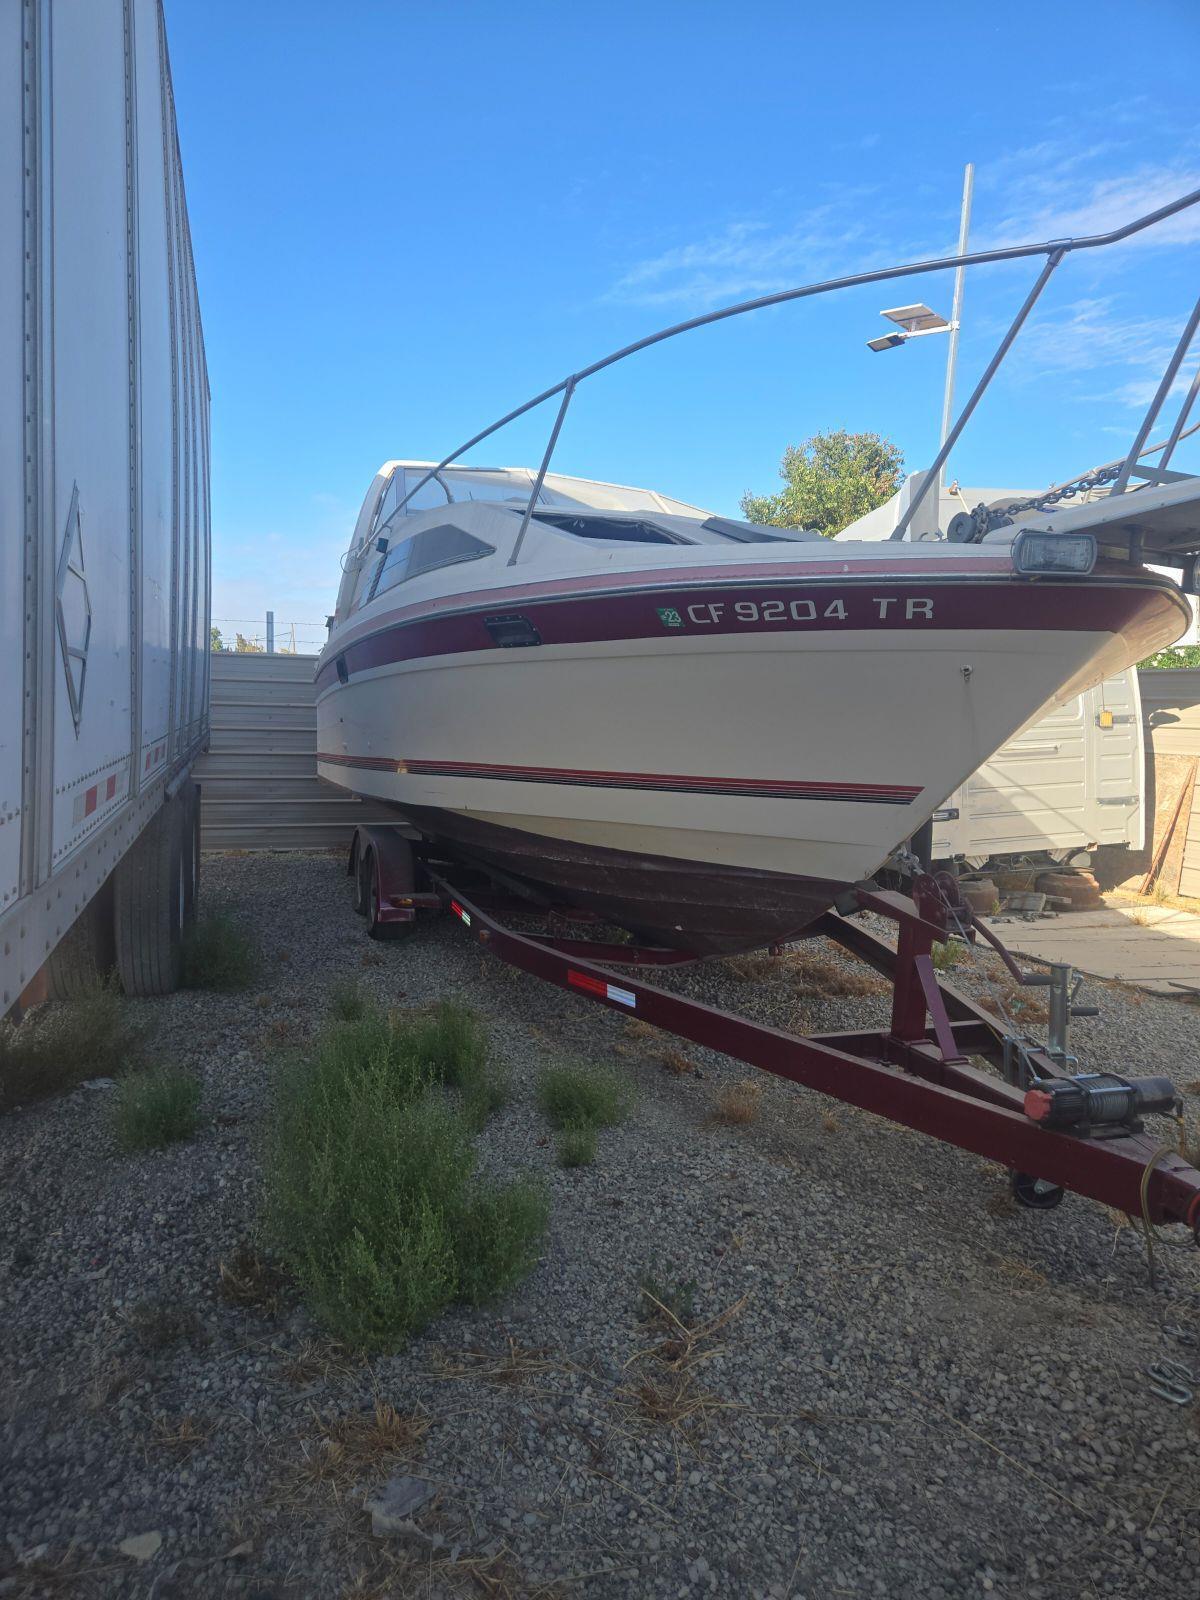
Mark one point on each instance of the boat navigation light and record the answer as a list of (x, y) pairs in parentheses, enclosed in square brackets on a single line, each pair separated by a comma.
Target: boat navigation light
[(1036, 551)]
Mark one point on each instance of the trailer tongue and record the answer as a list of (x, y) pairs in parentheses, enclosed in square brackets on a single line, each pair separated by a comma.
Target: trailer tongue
[(1054, 1129)]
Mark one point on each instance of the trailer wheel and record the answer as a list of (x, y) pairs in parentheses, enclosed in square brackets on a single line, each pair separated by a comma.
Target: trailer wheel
[(377, 929), (189, 798), (1035, 1193), (85, 956), (362, 862), (149, 903)]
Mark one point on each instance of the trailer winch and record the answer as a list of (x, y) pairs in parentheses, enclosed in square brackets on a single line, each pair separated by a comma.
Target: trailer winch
[(1093, 1101)]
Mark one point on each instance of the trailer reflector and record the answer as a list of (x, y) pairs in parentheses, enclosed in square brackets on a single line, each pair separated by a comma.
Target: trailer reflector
[(606, 991), (459, 912)]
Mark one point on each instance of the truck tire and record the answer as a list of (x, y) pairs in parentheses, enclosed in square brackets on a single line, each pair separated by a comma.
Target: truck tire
[(86, 955), (149, 894), (189, 796)]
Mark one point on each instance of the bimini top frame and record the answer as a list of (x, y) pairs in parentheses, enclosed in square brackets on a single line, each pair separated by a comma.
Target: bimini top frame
[(1053, 250)]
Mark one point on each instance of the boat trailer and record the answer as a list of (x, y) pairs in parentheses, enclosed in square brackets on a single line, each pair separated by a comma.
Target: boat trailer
[(1053, 1128)]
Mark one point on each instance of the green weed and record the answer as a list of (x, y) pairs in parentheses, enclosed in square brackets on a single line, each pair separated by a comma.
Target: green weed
[(591, 1096), (155, 1108), (65, 1042), (577, 1144), (372, 1198), (218, 954)]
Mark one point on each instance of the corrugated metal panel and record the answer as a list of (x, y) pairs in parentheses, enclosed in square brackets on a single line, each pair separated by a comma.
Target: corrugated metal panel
[(1189, 878), (1171, 710), (259, 778)]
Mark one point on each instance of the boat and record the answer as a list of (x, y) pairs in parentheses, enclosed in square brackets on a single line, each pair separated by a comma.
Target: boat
[(703, 730), (694, 727)]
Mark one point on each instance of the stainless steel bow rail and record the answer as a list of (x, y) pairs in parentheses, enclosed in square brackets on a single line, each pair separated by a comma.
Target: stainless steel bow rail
[(1054, 250), (1054, 1129)]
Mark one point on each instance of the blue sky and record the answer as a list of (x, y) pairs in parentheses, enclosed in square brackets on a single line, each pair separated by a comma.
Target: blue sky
[(408, 218)]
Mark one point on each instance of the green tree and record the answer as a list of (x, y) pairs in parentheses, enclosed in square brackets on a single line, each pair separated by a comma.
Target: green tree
[(215, 641), (829, 481)]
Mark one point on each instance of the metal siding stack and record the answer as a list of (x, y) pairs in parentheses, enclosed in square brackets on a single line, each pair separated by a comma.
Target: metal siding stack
[(259, 777), (1171, 708)]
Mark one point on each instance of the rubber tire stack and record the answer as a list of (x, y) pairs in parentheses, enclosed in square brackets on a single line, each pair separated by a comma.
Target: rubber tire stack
[(1080, 889)]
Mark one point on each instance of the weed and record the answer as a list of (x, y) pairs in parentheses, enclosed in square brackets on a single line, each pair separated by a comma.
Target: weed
[(156, 1108), (61, 1044), (671, 1301), (159, 1322), (750, 968), (676, 1063), (250, 1281), (820, 975), (347, 1003), (372, 1201), (218, 954), (181, 1435), (739, 1102), (945, 956), (577, 1144), (569, 1096), (829, 1122), (345, 1450), (1193, 1087)]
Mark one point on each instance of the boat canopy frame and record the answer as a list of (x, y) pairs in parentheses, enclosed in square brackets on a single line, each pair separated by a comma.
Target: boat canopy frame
[(1054, 250)]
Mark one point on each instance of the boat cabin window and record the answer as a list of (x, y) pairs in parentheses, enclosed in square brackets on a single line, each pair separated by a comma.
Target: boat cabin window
[(626, 530), (443, 546)]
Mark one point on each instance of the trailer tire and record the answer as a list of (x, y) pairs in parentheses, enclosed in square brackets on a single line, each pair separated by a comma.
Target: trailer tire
[(149, 903), (189, 798), (85, 955)]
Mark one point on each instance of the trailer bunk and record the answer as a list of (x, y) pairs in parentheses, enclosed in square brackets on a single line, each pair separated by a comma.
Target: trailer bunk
[(1055, 1129)]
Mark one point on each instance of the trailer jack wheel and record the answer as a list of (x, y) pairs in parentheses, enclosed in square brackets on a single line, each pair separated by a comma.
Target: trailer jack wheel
[(1036, 1193)]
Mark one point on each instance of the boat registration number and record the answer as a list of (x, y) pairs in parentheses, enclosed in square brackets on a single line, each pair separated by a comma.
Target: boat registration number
[(720, 613)]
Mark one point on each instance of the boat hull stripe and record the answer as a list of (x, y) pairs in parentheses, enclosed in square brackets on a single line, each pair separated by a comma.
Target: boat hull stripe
[(889, 794), (889, 605)]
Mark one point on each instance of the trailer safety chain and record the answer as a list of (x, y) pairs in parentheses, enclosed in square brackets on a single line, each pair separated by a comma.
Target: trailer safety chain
[(1171, 1380)]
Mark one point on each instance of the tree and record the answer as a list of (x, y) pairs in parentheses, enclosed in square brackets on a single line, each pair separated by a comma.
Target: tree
[(829, 481), (247, 647), (215, 641)]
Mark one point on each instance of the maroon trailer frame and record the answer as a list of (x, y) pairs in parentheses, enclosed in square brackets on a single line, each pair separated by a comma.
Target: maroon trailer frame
[(917, 1071)]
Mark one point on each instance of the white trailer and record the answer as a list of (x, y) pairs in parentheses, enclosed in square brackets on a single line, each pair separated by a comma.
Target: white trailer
[(104, 503), (1069, 782)]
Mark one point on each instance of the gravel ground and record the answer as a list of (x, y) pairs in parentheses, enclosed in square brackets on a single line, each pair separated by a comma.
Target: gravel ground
[(916, 1391)]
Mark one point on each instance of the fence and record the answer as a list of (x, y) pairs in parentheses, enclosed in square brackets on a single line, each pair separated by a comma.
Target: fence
[(259, 777)]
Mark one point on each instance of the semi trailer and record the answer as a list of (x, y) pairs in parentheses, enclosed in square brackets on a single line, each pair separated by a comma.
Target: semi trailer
[(104, 505)]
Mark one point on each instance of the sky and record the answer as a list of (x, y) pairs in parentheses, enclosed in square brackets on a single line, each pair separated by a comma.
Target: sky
[(408, 218)]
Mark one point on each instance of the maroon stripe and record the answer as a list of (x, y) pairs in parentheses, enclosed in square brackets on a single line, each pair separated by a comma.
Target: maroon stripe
[(1140, 610), (759, 788)]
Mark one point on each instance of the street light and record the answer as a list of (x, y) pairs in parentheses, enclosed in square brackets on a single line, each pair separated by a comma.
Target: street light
[(913, 321)]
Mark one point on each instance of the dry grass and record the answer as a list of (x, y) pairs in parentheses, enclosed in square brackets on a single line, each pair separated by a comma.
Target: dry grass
[(159, 1322), (1020, 1274), (739, 1103), (676, 1063), (1000, 1203), (820, 975), (1193, 1087), (666, 1391), (343, 1451), (752, 968), (179, 1435), (1019, 1005), (829, 1122), (319, 1361), (248, 1280), (510, 1367)]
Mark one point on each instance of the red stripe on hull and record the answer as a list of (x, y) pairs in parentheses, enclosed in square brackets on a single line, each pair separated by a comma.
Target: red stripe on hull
[(754, 788), (1139, 609)]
